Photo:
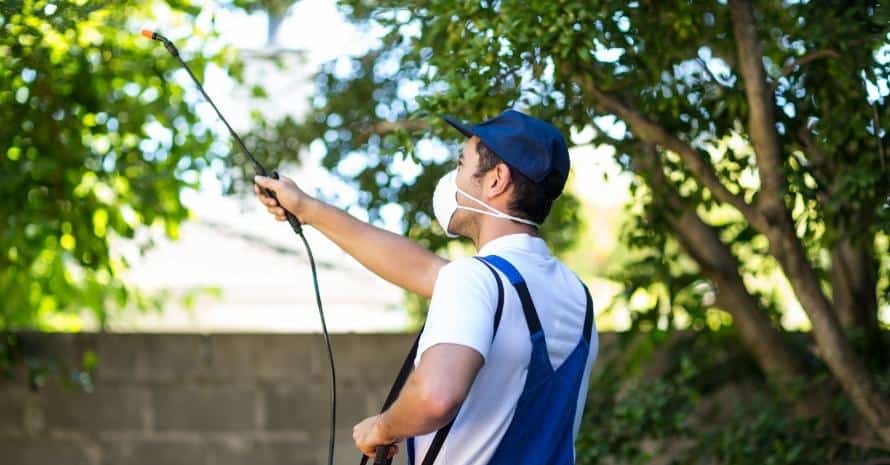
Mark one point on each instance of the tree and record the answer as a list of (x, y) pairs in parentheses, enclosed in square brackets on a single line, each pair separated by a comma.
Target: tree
[(97, 138), (751, 126)]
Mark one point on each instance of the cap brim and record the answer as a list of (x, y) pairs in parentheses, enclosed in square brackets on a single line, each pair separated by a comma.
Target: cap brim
[(463, 128)]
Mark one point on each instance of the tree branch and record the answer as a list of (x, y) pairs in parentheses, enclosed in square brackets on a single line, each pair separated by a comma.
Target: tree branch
[(819, 54), (761, 119), (701, 241), (650, 132), (794, 64)]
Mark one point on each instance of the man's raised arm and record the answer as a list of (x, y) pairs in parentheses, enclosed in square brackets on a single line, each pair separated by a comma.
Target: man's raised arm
[(394, 258)]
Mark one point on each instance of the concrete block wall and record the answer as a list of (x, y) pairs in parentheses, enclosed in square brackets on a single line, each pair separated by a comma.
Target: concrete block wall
[(221, 399)]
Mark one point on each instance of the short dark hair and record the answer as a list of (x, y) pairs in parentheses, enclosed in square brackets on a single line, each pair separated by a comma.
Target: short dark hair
[(531, 200)]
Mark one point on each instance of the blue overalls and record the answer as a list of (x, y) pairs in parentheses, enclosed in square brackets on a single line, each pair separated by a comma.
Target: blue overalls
[(541, 431)]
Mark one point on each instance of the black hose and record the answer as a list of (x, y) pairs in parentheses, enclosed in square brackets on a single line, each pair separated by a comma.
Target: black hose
[(327, 339), (291, 219)]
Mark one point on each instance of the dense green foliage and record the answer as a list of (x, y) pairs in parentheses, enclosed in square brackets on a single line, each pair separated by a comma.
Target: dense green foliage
[(98, 136), (691, 398)]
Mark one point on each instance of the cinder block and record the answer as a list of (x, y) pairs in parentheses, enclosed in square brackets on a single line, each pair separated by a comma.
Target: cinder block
[(150, 357), (308, 407), (105, 409), (46, 451), (35, 414), (175, 357), (120, 357), (377, 394), (345, 451), (370, 359), (154, 452), (291, 357), (263, 357), (353, 405), (265, 451), (232, 357), (207, 408), (299, 407), (12, 408)]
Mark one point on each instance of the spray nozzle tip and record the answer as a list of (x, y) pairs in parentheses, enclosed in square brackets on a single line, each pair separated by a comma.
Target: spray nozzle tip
[(147, 33)]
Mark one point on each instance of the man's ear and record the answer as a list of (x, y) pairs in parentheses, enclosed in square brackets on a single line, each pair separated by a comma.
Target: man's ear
[(500, 182)]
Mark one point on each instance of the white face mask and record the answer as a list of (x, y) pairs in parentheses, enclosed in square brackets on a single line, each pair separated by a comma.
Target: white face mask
[(445, 204)]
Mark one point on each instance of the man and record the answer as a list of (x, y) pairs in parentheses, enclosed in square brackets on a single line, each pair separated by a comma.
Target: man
[(483, 361)]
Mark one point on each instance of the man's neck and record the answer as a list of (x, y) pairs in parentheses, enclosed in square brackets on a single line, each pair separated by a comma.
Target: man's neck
[(493, 228)]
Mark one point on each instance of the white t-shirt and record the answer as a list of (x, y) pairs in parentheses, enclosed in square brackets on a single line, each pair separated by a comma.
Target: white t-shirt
[(462, 312)]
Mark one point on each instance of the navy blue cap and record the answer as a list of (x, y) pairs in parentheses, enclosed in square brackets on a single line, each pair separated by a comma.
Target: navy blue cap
[(532, 146)]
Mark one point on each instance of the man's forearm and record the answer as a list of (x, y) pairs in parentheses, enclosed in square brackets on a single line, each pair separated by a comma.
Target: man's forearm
[(412, 414), (395, 258), (433, 392)]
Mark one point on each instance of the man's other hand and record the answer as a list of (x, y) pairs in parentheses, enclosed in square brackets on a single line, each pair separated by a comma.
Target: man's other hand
[(369, 434)]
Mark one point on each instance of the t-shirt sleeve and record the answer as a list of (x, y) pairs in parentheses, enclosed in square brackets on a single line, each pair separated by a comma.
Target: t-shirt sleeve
[(462, 307)]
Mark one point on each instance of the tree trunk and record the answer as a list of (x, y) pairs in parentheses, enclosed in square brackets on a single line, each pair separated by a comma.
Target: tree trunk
[(834, 348), (775, 356), (776, 224)]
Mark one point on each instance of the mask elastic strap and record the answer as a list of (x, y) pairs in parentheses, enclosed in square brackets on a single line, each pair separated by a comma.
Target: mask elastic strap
[(474, 199), (492, 211), (500, 215)]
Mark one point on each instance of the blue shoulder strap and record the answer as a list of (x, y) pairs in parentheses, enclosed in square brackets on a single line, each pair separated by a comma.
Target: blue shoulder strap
[(588, 313), (500, 305), (528, 307)]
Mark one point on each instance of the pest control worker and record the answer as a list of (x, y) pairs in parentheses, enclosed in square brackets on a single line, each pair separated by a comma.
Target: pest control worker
[(503, 361)]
